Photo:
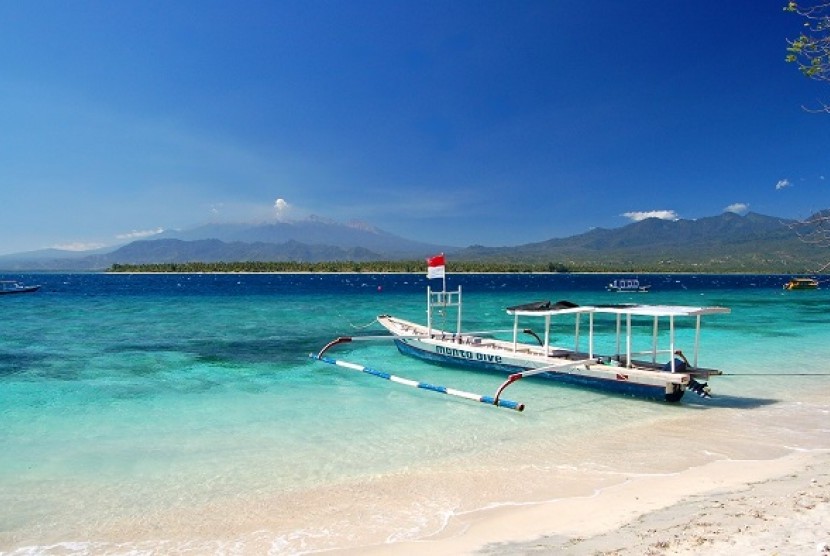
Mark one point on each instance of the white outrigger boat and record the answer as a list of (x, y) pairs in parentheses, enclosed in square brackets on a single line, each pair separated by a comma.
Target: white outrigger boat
[(663, 374), (627, 285), (13, 286)]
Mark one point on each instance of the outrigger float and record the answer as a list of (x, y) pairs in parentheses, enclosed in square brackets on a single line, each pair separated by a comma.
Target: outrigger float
[(662, 373)]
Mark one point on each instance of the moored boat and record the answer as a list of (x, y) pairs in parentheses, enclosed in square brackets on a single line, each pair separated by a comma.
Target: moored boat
[(650, 373), (13, 286), (627, 285), (801, 284), (655, 371)]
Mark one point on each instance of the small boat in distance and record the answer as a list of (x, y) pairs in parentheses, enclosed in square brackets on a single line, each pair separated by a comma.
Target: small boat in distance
[(627, 285), (13, 286), (801, 284)]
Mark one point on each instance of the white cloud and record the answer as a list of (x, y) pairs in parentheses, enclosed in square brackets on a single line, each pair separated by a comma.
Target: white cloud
[(783, 184), (278, 210), (737, 208), (281, 209), (636, 216), (78, 246), (138, 234)]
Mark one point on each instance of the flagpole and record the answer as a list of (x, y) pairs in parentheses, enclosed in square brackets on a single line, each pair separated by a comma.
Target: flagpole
[(444, 277)]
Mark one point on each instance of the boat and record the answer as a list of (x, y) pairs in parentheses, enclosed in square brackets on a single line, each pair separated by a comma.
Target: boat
[(656, 373), (801, 284), (627, 285), (13, 286)]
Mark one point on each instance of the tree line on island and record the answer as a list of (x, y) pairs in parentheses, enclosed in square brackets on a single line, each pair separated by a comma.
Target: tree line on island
[(406, 267), (456, 266)]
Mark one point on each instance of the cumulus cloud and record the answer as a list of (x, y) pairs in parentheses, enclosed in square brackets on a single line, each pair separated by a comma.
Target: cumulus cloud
[(737, 208), (138, 234), (281, 209), (783, 184), (636, 216), (78, 246)]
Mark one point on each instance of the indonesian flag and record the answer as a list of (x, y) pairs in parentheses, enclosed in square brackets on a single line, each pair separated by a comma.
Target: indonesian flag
[(435, 266)]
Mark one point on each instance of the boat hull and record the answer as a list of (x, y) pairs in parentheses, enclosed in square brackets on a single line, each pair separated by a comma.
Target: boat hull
[(22, 289), (617, 382), (794, 285)]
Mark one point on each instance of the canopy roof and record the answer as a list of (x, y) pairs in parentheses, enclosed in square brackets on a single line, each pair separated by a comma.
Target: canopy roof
[(542, 308)]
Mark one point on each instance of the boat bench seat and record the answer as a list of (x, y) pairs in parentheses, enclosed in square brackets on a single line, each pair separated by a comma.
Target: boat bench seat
[(702, 371)]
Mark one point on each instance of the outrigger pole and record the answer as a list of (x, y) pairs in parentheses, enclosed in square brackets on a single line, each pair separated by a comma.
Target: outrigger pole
[(530, 372), (423, 385)]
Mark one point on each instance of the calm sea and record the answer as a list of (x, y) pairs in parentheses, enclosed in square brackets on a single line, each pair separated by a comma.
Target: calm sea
[(148, 414)]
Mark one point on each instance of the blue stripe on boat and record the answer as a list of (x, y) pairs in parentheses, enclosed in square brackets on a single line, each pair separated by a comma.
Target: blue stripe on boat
[(614, 386)]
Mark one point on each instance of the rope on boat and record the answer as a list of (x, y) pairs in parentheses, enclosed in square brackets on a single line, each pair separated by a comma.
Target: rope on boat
[(364, 326), (423, 385), (775, 374)]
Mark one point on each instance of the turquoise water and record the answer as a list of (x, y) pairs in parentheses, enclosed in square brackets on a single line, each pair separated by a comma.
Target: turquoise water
[(144, 413)]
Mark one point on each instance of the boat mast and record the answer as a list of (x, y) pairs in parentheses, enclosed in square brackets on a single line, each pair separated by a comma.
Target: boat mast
[(429, 310), (444, 300)]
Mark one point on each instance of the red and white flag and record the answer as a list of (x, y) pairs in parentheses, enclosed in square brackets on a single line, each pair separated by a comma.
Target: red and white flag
[(435, 266)]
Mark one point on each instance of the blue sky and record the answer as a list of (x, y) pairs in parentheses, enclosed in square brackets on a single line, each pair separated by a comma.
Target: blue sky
[(455, 122)]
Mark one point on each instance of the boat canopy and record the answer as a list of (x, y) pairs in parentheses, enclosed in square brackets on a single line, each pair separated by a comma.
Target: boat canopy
[(660, 310), (539, 308), (542, 308), (547, 310)]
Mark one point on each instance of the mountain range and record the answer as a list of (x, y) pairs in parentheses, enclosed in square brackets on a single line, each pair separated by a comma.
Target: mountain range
[(727, 242), (730, 242)]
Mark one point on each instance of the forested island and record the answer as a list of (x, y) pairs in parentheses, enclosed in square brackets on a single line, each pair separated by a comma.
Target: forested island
[(336, 266), (456, 266)]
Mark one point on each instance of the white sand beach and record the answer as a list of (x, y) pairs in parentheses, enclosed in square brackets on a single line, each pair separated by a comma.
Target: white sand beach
[(761, 486), (780, 506)]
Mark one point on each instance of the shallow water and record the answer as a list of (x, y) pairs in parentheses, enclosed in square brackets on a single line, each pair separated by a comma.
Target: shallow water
[(177, 413)]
